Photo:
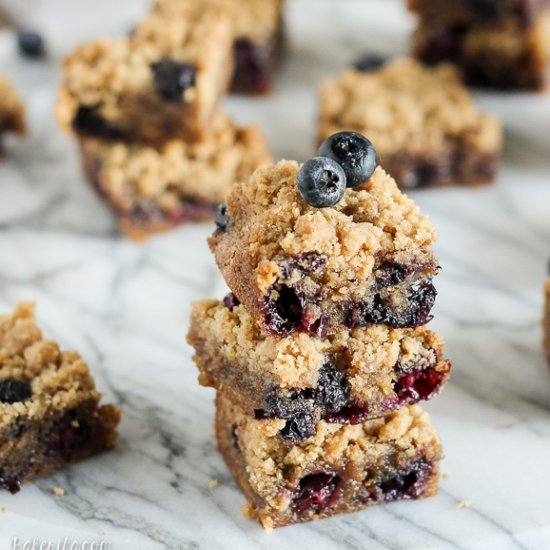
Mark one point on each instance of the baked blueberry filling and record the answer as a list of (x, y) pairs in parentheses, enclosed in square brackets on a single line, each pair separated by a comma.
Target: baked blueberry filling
[(173, 78), (316, 492)]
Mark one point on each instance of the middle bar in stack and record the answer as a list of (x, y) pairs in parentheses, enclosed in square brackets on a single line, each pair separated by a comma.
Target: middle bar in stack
[(319, 354)]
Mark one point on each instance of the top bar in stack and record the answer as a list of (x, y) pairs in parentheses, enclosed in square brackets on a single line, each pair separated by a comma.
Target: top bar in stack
[(165, 83), (295, 267), (257, 30)]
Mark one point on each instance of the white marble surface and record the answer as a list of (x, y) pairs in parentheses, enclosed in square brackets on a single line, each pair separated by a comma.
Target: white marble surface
[(125, 307)]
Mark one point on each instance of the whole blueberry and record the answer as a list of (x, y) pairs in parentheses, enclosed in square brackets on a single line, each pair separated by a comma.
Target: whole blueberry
[(321, 182), (14, 391), (30, 44), (354, 153), (222, 218), (172, 78), (369, 62)]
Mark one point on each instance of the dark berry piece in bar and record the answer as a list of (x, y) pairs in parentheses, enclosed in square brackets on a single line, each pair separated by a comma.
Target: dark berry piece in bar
[(172, 78), (31, 44), (354, 153), (321, 182), (316, 492), (369, 62), (231, 301), (14, 391)]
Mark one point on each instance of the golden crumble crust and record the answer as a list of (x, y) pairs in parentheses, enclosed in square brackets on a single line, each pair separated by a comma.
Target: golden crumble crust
[(202, 171), (234, 355), (268, 470), (406, 105)]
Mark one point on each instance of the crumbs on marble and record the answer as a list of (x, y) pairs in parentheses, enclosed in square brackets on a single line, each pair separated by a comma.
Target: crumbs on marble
[(213, 483), (444, 476), (58, 491), (464, 504), (2, 509)]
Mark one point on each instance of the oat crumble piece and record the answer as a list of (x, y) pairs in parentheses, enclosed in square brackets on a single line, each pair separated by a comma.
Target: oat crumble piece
[(423, 122), (366, 260), (49, 407), (346, 378), (155, 189), (163, 83), (341, 469)]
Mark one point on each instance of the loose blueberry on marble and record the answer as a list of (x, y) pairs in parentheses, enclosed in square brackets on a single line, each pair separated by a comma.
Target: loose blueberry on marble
[(369, 63), (14, 391), (354, 153), (321, 182), (172, 78), (31, 44), (222, 218)]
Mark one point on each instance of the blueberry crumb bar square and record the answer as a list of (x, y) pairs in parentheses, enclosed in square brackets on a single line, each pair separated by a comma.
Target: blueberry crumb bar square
[(424, 123), (295, 267), (346, 378), (342, 469), (50, 414), (165, 82), (155, 189)]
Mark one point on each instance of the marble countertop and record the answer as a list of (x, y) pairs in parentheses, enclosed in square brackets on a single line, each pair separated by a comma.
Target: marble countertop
[(125, 308)]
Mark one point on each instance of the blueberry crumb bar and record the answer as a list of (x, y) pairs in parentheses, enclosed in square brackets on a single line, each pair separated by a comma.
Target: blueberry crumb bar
[(257, 37), (501, 44), (165, 82), (343, 468), (295, 267), (424, 123), (346, 378), (50, 414), (155, 189)]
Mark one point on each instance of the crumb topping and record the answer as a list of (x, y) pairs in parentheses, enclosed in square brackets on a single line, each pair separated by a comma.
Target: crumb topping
[(406, 105), (257, 20), (59, 379), (270, 220), (204, 170)]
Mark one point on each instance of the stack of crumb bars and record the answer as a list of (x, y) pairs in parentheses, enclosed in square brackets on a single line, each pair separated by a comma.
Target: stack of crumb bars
[(146, 109), (319, 354), (502, 44)]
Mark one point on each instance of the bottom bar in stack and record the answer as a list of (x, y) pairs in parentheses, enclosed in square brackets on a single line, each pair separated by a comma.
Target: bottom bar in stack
[(343, 468)]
